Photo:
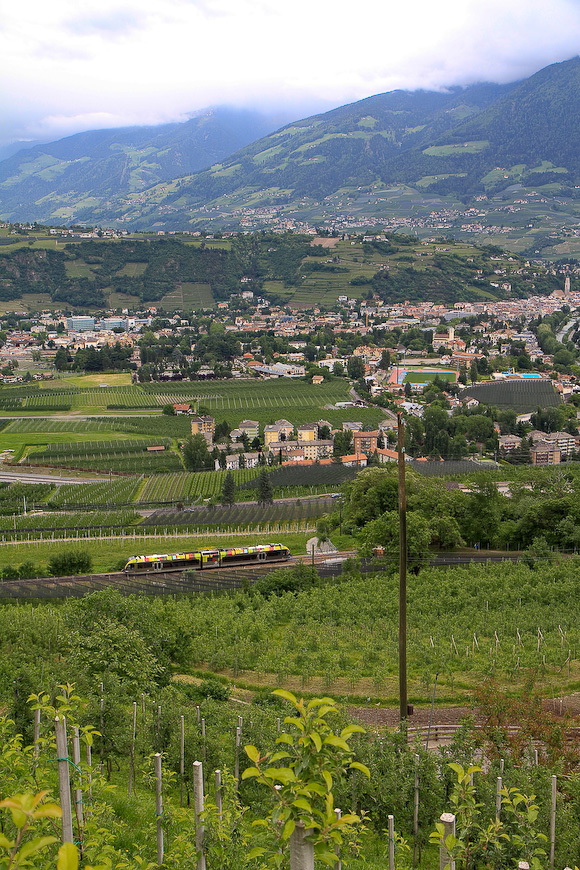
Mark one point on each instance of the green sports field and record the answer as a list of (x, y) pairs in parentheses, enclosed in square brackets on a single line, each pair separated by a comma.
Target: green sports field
[(417, 376)]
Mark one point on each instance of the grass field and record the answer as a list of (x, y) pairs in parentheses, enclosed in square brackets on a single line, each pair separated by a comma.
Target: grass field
[(108, 554), (85, 381), (416, 376)]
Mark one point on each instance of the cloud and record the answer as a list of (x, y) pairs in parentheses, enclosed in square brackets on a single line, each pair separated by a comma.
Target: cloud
[(116, 24), (143, 60)]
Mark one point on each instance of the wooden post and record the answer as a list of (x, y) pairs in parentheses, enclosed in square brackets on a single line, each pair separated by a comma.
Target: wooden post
[(132, 750), (159, 807), (301, 851), (102, 740), (218, 794), (237, 759), (79, 790), (445, 859), (553, 820), (416, 813), (90, 770), (182, 759), (198, 805), (391, 824), (63, 779), (37, 713), (498, 798), (402, 570)]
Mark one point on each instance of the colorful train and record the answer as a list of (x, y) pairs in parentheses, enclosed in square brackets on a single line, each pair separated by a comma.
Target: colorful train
[(221, 557)]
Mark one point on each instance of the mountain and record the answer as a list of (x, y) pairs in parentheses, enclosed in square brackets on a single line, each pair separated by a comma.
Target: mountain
[(498, 161), (51, 182)]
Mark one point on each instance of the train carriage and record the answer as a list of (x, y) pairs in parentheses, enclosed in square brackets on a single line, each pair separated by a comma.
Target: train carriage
[(221, 557)]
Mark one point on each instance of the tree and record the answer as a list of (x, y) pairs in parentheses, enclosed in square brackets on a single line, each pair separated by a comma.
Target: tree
[(385, 360), (195, 453), (342, 444), (355, 368), (265, 492), (314, 759), (61, 360), (229, 489)]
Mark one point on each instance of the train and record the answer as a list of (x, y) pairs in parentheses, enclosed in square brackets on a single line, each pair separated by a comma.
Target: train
[(220, 557)]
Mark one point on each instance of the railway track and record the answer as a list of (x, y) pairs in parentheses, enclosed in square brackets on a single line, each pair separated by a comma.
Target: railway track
[(210, 579), (177, 581)]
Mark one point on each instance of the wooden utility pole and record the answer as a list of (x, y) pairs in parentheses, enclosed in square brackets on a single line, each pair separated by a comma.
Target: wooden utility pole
[(402, 569)]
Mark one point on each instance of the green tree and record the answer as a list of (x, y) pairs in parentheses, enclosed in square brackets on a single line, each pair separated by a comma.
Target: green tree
[(265, 491), (61, 360), (229, 489), (314, 759), (196, 456), (355, 368), (70, 562)]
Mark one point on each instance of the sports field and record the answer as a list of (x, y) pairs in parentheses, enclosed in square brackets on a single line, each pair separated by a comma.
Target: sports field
[(403, 375)]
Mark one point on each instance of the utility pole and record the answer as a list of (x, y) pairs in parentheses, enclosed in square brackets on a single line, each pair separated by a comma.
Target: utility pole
[(402, 570)]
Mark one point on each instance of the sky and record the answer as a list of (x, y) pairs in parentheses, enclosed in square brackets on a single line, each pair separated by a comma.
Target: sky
[(68, 67)]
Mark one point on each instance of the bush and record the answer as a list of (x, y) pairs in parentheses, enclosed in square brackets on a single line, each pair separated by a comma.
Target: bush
[(212, 688), (70, 562)]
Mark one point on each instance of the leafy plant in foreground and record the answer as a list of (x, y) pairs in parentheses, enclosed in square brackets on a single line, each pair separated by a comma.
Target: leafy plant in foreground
[(314, 757)]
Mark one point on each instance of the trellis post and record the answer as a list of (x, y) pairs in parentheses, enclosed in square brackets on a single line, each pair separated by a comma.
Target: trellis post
[(63, 779), (301, 851), (159, 807), (445, 859), (391, 829), (553, 820), (198, 805)]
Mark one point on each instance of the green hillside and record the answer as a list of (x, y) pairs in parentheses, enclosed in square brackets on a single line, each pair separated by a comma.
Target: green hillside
[(181, 273), (488, 163)]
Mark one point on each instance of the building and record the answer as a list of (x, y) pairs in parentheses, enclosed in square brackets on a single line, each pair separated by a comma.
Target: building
[(204, 426), (250, 428), (281, 430), (365, 442), (80, 323), (508, 443), (544, 453), (307, 432)]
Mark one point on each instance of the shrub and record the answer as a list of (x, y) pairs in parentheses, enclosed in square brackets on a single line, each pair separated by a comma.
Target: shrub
[(70, 562)]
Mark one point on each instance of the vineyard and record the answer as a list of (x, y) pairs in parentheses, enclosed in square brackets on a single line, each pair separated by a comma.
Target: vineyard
[(522, 396), (243, 515), (13, 497), (232, 400), (127, 456), (106, 662), (118, 491), (190, 487), (323, 476), (14, 528)]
